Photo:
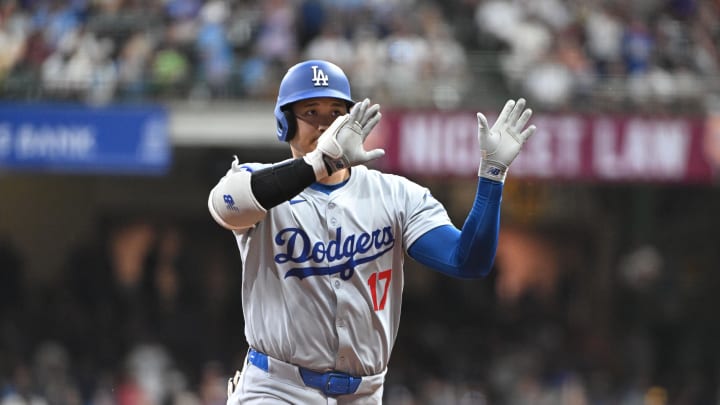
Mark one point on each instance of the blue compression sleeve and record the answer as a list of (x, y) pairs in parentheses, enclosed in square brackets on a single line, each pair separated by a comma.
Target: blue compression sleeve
[(469, 253)]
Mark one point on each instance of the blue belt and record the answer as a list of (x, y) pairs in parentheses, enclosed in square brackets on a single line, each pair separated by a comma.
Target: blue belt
[(331, 383)]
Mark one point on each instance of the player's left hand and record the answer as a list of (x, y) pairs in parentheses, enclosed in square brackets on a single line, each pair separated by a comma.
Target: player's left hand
[(501, 143)]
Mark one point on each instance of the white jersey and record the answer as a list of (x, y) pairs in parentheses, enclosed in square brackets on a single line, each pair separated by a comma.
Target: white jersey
[(323, 273)]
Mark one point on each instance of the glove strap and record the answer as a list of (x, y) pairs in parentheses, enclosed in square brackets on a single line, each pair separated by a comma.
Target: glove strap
[(334, 165), (324, 165), (492, 170), (316, 159)]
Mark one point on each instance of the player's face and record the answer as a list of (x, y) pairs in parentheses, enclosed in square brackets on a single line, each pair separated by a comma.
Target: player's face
[(313, 116)]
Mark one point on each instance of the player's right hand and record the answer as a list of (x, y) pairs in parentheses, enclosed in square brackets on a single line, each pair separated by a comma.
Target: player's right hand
[(342, 144)]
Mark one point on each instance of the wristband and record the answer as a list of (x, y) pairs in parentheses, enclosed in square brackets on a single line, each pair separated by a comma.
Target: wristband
[(492, 170)]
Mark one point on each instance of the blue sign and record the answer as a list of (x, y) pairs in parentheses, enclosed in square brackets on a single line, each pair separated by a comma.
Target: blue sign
[(75, 138)]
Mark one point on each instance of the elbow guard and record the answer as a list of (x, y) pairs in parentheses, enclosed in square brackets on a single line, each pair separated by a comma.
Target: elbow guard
[(232, 203)]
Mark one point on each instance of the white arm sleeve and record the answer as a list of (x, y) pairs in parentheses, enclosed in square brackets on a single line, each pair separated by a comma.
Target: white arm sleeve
[(232, 203)]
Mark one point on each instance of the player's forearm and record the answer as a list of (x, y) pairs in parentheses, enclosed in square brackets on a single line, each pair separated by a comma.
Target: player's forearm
[(478, 240), (470, 252), (280, 182)]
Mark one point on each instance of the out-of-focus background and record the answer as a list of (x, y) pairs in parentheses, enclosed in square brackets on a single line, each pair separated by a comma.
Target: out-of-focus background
[(118, 116)]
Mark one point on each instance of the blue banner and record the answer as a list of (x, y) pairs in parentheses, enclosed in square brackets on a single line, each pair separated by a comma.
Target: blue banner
[(82, 139)]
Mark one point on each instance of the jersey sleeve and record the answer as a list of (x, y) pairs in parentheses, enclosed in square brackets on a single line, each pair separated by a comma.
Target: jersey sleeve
[(423, 212)]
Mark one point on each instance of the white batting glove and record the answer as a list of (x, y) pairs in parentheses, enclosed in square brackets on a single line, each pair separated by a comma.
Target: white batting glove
[(341, 145), (501, 143)]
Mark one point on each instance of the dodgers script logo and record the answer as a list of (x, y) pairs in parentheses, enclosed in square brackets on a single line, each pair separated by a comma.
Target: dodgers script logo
[(337, 256)]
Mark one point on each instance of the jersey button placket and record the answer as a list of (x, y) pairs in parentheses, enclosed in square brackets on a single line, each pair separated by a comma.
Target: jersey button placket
[(341, 325), (332, 214), (332, 225)]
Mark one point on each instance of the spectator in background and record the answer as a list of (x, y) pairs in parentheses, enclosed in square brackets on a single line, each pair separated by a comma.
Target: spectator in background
[(311, 19), (54, 70), (527, 37), (213, 385), (637, 47), (447, 62), (556, 14), (170, 69), (369, 61), (18, 388), (276, 39), (331, 44), (183, 10), (134, 61), (182, 21), (563, 76), (706, 53), (35, 52), (407, 60), (104, 76), (273, 47), (549, 82), (81, 68), (603, 32), (637, 55), (13, 36), (215, 53), (52, 376), (57, 19)]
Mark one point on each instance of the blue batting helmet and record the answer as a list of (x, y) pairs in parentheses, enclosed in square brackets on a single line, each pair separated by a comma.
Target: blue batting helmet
[(309, 79)]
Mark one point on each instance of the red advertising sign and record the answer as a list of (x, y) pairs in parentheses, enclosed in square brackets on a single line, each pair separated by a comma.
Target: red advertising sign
[(564, 147)]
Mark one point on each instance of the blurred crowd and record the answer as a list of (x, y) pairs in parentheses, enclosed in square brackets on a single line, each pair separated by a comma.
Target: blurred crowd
[(147, 311), (111, 50), (558, 53), (136, 316), (613, 54)]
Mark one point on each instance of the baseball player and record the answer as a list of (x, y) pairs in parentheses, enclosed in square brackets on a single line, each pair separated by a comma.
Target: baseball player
[(322, 240)]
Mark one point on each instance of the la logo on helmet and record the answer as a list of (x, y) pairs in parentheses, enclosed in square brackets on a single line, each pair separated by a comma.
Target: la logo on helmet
[(319, 77)]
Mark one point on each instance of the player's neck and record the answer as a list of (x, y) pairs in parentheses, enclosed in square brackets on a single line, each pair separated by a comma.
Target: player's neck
[(336, 178)]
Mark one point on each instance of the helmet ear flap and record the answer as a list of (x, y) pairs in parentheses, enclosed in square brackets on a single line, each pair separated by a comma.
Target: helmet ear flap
[(286, 124), (291, 124)]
